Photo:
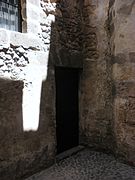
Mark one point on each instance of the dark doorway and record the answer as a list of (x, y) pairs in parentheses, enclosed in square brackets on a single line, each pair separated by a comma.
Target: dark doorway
[(67, 114)]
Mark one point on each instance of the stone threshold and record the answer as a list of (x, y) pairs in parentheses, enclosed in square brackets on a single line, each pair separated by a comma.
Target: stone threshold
[(68, 153)]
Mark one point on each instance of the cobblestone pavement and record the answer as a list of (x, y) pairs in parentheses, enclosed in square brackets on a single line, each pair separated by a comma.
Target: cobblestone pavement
[(87, 165)]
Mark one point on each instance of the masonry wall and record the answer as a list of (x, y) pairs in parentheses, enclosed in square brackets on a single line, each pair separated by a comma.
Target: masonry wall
[(107, 83), (96, 127), (94, 36), (122, 14), (51, 36), (66, 36), (27, 138)]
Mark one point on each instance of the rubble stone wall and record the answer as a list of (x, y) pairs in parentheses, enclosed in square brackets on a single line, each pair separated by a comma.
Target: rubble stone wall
[(66, 35), (25, 77)]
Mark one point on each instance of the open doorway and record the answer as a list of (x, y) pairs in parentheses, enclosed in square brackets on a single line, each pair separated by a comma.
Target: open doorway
[(67, 110)]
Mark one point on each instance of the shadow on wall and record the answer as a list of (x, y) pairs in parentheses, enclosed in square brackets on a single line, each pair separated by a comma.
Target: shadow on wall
[(23, 153), (11, 106), (10, 113), (26, 152)]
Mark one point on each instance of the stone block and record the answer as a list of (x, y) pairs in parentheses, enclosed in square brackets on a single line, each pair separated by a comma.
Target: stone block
[(4, 36), (33, 27), (130, 104), (120, 58), (123, 37), (130, 138), (34, 2), (124, 89), (123, 72), (39, 58), (130, 119), (26, 40), (33, 13), (124, 105), (119, 112), (126, 9), (132, 57), (131, 92)]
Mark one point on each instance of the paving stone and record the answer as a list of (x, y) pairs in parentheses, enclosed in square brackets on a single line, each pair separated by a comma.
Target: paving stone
[(87, 165)]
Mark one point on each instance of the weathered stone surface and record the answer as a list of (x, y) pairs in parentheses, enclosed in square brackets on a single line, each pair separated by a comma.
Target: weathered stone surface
[(24, 59), (124, 76), (66, 35), (10, 107), (34, 2), (33, 12), (96, 95), (132, 57), (95, 36), (122, 27), (33, 27), (4, 37), (25, 40), (126, 9), (124, 89), (124, 72)]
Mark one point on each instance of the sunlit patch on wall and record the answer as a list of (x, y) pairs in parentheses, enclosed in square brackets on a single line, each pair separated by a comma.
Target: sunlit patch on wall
[(37, 73)]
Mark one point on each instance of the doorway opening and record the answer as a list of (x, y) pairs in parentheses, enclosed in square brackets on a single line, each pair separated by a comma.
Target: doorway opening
[(67, 108)]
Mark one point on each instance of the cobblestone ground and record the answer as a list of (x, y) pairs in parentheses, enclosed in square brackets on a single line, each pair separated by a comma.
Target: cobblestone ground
[(87, 165)]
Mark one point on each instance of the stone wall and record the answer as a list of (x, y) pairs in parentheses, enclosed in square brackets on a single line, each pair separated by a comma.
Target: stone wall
[(66, 35), (30, 58), (107, 82), (27, 138), (40, 49), (122, 15), (94, 36), (96, 81)]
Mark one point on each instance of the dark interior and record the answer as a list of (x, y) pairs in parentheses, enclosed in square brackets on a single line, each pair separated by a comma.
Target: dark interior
[(67, 114)]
